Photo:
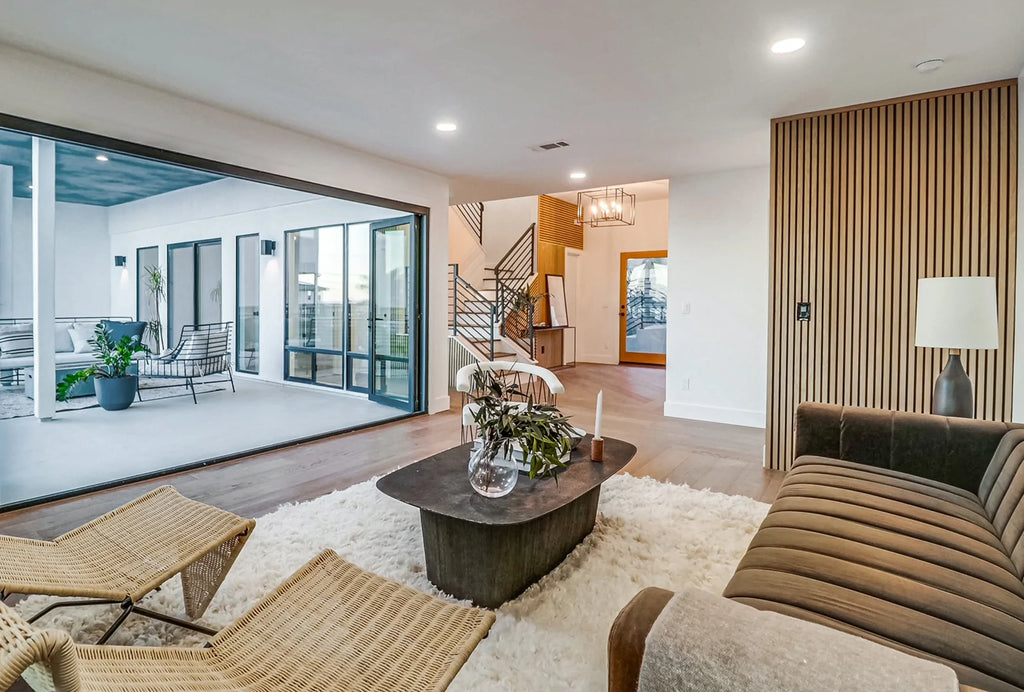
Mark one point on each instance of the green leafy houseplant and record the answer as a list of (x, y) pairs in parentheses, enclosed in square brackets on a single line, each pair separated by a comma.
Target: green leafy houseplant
[(115, 358), (540, 430)]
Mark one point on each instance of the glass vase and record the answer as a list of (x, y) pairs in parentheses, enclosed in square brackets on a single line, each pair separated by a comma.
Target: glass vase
[(490, 474)]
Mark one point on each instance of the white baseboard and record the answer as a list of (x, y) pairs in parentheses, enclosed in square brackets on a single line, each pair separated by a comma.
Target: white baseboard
[(715, 414), (596, 358), (439, 404)]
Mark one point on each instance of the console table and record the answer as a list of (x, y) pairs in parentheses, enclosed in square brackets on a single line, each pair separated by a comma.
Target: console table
[(489, 550)]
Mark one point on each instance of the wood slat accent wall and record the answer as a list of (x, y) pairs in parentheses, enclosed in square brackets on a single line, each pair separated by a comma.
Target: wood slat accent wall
[(865, 201), (556, 222)]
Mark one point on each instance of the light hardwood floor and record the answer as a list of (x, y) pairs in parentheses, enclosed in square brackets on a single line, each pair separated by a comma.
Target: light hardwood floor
[(720, 457)]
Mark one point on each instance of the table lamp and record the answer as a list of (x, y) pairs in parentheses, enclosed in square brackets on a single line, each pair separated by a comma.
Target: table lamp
[(956, 312)]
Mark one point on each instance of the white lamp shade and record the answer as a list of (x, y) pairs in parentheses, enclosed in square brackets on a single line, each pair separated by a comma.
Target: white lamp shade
[(957, 312)]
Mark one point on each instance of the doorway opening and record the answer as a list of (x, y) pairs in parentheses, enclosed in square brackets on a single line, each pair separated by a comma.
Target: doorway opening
[(643, 307)]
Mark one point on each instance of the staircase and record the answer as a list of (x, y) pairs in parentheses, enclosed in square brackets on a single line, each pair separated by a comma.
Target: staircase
[(494, 322)]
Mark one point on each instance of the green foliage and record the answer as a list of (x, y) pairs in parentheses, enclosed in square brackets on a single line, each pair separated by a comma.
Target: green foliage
[(156, 286), (540, 430), (115, 359)]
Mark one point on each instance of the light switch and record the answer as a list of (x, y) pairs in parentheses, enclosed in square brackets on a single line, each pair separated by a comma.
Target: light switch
[(686, 308)]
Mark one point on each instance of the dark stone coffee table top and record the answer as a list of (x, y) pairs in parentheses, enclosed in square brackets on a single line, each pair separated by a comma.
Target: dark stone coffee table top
[(440, 484)]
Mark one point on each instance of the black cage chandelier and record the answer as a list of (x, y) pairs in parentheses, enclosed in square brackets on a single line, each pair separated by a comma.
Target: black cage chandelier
[(606, 207)]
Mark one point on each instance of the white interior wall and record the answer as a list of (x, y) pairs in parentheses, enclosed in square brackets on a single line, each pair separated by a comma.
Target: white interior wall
[(504, 221), (57, 92), (718, 267), (465, 250), (1018, 341), (226, 209), (597, 317), (83, 260), (6, 241)]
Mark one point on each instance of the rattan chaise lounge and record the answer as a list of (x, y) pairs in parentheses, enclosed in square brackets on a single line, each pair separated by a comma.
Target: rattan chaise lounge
[(331, 626), (122, 556)]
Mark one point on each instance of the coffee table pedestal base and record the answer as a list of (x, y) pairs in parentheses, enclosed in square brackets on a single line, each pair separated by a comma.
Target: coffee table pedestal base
[(489, 564)]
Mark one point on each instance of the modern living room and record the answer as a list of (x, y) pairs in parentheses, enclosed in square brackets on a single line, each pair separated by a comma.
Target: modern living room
[(821, 488)]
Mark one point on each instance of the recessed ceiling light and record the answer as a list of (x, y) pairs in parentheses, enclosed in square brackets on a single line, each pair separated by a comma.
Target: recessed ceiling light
[(102, 157), (788, 45), (577, 175), (446, 126), (929, 65)]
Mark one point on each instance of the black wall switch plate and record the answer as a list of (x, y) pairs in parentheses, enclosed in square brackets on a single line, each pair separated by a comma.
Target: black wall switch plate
[(803, 312)]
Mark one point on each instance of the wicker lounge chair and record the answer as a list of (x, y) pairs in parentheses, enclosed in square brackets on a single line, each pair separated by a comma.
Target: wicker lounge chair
[(122, 556), (331, 626)]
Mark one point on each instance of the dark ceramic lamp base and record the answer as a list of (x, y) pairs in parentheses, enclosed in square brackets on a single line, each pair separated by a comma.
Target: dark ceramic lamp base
[(953, 395)]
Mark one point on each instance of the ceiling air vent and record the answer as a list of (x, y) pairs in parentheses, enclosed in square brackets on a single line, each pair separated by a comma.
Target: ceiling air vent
[(550, 145)]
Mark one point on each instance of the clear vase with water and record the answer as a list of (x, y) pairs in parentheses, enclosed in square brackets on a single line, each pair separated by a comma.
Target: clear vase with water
[(490, 474)]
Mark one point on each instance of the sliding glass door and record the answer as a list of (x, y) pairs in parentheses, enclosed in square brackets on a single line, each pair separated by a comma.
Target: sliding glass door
[(394, 306), (352, 309), (247, 303), (193, 285)]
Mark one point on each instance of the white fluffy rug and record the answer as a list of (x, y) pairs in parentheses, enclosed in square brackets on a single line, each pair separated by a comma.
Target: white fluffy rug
[(553, 637)]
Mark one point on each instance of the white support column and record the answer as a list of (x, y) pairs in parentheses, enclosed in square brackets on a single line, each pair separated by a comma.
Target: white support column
[(44, 207), (7, 241)]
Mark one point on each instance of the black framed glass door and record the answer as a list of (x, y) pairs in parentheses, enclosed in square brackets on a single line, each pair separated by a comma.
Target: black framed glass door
[(194, 288), (395, 310)]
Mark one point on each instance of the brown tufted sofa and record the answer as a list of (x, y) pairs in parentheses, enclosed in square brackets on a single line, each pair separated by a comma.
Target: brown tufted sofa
[(905, 529)]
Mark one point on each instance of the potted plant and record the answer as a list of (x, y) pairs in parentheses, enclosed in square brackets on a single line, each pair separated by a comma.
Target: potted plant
[(509, 430), (156, 286), (522, 305), (115, 386)]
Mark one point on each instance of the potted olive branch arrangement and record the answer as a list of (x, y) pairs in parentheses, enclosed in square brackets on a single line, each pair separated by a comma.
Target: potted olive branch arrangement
[(115, 387), (540, 432)]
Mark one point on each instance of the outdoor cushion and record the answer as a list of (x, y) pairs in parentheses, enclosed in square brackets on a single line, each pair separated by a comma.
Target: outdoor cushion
[(16, 340), (80, 335), (62, 342), (121, 329)]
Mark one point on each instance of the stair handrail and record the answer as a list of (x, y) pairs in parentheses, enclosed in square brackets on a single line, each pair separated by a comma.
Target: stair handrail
[(464, 292), (473, 215)]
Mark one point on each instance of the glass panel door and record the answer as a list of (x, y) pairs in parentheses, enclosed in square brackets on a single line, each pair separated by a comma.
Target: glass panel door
[(193, 286), (394, 307), (147, 259), (643, 307), (247, 302)]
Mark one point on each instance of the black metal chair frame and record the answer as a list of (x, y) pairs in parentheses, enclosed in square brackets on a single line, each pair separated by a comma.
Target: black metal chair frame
[(209, 364)]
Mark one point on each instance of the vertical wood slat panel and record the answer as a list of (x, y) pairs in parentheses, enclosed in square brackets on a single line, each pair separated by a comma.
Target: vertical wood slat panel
[(865, 201)]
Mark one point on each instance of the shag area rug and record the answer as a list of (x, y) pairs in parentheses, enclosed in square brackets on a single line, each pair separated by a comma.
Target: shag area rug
[(553, 637), (14, 403)]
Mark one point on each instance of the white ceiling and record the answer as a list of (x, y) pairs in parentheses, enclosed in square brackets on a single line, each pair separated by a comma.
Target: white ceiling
[(641, 89), (646, 191)]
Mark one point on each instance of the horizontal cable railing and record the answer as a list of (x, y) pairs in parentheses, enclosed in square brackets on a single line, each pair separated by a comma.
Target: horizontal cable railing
[(472, 315)]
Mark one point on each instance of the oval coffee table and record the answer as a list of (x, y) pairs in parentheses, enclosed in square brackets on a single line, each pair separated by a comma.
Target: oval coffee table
[(489, 550)]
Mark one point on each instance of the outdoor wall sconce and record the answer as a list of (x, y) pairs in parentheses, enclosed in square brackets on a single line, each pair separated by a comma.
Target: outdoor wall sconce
[(120, 261), (267, 247)]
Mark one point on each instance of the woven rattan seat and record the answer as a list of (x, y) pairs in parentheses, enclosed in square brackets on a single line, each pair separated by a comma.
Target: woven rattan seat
[(330, 626), (122, 556)]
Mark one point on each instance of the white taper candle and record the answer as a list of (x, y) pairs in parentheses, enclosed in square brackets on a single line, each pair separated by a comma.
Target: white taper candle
[(597, 422)]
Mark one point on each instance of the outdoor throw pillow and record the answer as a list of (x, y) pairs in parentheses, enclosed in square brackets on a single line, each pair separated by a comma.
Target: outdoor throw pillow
[(121, 329), (16, 341), (80, 335)]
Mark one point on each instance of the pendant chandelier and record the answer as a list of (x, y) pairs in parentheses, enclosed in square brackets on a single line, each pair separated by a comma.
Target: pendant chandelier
[(605, 207)]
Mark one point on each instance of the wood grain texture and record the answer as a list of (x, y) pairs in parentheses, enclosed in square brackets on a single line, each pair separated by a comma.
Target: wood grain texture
[(550, 260), (865, 201), (556, 223)]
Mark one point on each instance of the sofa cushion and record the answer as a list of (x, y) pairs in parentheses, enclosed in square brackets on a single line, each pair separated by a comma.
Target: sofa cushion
[(80, 334), (16, 341), (912, 563), (118, 330), (62, 339)]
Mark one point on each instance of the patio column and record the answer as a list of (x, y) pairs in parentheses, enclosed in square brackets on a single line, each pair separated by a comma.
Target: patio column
[(44, 203)]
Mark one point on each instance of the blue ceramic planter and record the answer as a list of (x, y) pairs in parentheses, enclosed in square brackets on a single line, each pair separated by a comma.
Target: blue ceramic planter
[(116, 393)]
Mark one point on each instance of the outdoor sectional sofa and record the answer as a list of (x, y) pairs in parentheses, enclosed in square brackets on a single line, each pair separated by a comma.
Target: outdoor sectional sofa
[(16, 343), (903, 529)]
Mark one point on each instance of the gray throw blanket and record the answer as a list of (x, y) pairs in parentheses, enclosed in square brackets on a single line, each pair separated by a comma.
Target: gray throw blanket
[(710, 643)]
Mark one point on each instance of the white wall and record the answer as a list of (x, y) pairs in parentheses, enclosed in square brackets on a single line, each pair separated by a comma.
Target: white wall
[(597, 314), (504, 221), (718, 264), (55, 92), (84, 263), (465, 250), (226, 209), (6, 241), (1018, 341)]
